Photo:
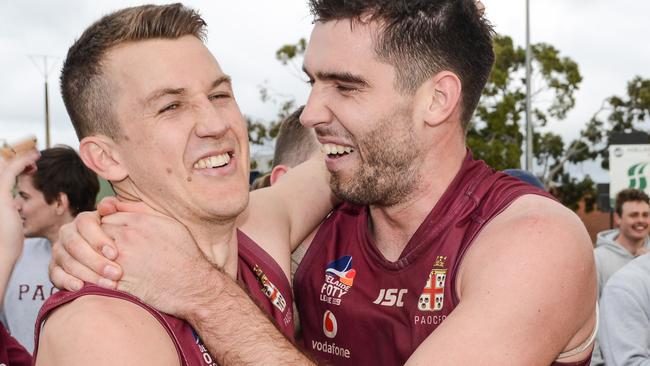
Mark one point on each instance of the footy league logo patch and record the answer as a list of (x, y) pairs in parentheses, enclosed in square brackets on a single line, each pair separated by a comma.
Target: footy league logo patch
[(339, 278)]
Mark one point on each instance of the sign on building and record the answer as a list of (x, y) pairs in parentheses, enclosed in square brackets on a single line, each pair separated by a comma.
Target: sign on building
[(629, 167)]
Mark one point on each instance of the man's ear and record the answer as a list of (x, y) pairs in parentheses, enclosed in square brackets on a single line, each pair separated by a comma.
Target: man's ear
[(277, 172), (62, 203), (439, 97), (100, 155)]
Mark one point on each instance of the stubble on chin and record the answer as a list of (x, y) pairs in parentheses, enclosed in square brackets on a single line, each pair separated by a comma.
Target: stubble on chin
[(387, 171)]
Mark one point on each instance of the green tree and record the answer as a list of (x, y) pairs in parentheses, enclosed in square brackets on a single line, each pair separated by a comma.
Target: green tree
[(630, 113), (262, 132), (495, 134)]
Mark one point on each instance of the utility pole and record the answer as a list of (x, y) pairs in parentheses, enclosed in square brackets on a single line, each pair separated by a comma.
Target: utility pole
[(529, 123), (45, 71)]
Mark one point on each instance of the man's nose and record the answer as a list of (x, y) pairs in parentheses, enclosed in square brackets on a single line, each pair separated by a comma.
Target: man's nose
[(317, 111), (209, 122)]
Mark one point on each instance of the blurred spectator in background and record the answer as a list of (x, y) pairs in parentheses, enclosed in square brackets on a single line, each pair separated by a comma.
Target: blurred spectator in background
[(616, 247), (526, 177), (11, 243), (624, 335), (60, 188), (294, 145)]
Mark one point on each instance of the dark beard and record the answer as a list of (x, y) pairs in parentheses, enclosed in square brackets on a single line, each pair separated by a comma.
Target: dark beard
[(388, 175)]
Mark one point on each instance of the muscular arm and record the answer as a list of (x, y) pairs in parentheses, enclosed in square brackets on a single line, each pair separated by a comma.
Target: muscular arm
[(234, 330), (624, 328), (527, 291), (279, 217), (100, 331)]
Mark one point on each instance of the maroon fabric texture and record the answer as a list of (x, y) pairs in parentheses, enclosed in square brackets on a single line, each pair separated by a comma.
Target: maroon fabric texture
[(11, 352), (257, 271), (357, 308)]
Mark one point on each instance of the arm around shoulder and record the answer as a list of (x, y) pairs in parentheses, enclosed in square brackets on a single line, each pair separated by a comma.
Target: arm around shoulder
[(95, 330), (298, 203)]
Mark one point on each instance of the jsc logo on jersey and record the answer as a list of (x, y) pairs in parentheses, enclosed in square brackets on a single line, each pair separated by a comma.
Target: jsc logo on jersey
[(391, 297), (339, 278)]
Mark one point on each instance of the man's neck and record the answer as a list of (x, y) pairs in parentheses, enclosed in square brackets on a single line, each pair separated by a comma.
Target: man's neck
[(631, 246), (392, 227), (218, 242)]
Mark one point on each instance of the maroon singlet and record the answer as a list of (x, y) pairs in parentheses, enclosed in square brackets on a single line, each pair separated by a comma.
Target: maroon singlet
[(11, 352), (357, 308), (257, 271)]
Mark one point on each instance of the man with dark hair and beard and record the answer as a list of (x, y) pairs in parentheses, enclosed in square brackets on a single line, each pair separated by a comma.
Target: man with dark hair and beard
[(434, 258)]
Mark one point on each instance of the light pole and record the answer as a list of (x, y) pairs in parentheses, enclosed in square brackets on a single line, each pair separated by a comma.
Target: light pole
[(45, 71), (529, 123)]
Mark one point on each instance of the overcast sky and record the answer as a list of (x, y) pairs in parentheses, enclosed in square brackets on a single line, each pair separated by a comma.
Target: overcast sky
[(606, 38)]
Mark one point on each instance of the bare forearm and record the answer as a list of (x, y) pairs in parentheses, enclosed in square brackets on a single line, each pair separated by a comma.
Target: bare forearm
[(236, 331), (6, 267)]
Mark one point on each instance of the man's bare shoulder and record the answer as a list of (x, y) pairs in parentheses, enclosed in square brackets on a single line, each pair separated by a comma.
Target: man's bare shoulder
[(102, 330), (536, 228), (541, 252)]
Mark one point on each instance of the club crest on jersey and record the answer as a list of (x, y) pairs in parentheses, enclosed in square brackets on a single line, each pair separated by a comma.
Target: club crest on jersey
[(339, 278), (269, 289), (433, 293)]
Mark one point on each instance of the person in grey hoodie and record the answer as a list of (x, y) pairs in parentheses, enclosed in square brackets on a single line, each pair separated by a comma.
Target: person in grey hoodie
[(625, 315), (616, 247)]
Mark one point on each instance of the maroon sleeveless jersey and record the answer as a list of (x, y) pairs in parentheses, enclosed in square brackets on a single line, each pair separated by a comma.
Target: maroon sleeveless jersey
[(357, 308), (11, 352), (257, 271)]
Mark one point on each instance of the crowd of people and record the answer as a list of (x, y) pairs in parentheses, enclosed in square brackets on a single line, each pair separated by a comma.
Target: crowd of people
[(375, 239)]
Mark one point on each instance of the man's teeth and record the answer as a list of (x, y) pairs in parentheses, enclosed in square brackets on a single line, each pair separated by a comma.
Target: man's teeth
[(212, 161), (331, 149)]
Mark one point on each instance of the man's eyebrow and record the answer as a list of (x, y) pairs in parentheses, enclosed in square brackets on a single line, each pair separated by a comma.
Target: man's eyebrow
[(345, 77), (161, 93), (180, 91), (220, 80)]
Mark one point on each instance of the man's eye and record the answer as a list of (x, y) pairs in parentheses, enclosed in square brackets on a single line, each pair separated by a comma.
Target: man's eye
[(169, 107), (346, 89), (310, 81), (219, 96)]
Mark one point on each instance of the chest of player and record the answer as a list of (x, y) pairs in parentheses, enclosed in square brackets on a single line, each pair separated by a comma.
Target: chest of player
[(358, 308)]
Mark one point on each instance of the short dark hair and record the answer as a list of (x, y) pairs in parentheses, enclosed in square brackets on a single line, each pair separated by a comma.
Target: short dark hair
[(628, 195), (295, 142), (420, 38), (60, 170), (86, 92)]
